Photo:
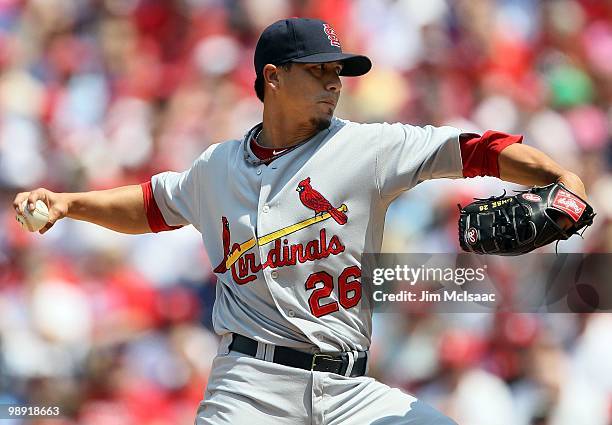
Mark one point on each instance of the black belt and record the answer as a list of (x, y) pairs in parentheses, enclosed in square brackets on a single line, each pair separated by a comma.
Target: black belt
[(335, 363)]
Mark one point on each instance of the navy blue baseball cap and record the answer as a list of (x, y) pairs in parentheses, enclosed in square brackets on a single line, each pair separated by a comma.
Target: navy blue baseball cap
[(305, 40)]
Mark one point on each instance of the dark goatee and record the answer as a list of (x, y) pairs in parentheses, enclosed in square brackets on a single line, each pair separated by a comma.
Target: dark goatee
[(320, 124)]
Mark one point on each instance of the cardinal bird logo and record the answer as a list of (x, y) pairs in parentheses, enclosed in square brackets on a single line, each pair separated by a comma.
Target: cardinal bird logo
[(317, 202), (221, 268)]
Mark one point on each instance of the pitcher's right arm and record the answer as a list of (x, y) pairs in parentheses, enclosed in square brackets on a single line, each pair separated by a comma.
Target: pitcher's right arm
[(121, 209)]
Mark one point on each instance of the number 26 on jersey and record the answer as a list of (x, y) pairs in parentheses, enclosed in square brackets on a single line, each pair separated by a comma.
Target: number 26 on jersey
[(322, 285)]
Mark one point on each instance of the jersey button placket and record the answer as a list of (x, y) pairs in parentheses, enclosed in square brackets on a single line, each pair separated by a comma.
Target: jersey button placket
[(266, 222)]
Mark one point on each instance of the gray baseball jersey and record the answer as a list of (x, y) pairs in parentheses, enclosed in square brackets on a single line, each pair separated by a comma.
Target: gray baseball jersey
[(286, 238)]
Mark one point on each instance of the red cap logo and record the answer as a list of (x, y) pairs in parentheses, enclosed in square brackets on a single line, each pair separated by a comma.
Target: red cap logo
[(331, 34)]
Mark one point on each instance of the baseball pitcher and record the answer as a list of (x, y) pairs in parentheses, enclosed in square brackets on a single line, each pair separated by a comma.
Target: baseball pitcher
[(285, 213)]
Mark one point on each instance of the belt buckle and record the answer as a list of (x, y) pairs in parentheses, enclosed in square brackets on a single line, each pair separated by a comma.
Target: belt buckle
[(314, 359)]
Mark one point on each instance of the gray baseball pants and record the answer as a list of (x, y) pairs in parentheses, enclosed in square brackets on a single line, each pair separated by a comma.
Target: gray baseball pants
[(252, 391)]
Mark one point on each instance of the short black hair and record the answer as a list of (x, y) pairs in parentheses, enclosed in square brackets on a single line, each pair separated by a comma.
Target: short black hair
[(259, 81)]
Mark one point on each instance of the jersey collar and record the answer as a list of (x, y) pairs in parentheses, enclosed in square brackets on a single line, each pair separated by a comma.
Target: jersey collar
[(256, 155)]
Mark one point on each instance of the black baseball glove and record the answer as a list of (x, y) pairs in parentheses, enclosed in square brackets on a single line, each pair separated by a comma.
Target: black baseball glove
[(514, 225)]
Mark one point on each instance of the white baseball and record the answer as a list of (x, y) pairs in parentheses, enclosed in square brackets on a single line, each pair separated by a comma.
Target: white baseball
[(33, 221)]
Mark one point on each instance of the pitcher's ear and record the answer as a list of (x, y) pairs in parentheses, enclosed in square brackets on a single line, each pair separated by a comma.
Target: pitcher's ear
[(270, 75)]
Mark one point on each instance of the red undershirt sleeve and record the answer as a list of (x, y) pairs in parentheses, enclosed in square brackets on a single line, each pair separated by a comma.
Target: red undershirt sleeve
[(480, 154), (154, 215)]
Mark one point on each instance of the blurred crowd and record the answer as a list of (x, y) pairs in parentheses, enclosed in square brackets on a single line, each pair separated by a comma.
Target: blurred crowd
[(116, 329)]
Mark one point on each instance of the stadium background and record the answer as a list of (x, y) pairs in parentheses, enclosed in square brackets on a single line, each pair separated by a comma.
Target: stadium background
[(116, 329)]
